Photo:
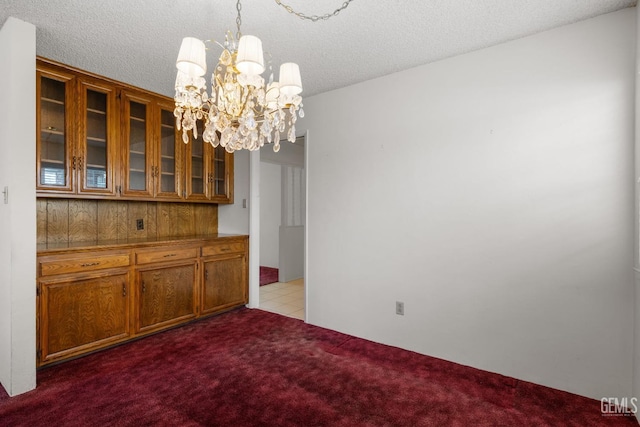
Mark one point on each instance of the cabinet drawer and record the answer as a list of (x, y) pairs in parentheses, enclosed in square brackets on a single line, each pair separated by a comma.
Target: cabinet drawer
[(165, 255), (52, 266), (223, 248)]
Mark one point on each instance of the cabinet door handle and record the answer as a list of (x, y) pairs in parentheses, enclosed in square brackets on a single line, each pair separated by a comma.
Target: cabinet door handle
[(169, 255), (124, 290), (89, 264), (206, 274), (74, 163), (144, 288)]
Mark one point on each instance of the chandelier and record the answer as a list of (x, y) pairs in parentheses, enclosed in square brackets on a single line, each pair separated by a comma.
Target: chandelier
[(242, 111)]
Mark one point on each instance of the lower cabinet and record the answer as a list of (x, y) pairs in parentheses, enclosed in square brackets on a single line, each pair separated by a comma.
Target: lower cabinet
[(167, 295), (222, 286), (93, 298), (82, 314)]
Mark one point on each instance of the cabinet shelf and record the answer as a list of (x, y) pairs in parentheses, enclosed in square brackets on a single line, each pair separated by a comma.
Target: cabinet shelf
[(92, 140), (139, 153), (137, 170), (52, 130), (51, 100), (137, 119), (52, 161), (92, 166), (93, 110)]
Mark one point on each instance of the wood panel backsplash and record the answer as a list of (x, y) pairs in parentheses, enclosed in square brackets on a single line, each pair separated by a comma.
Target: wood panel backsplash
[(77, 220)]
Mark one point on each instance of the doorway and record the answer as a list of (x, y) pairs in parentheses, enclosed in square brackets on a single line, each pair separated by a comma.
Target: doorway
[(282, 229)]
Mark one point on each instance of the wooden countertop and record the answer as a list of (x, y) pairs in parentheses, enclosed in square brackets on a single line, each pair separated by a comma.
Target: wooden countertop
[(52, 248)]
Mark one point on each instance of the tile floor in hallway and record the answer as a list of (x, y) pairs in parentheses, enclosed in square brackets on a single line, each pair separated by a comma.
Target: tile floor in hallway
[(284, 298)]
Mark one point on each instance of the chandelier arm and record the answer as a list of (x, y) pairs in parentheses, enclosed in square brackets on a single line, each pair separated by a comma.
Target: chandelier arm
[(314, 18)]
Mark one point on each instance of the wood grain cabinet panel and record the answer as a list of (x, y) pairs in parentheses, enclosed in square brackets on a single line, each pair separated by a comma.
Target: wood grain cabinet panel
[(166, 296), (224, 283), (64, 265), (171, 254), (82, 314), (223, 248)]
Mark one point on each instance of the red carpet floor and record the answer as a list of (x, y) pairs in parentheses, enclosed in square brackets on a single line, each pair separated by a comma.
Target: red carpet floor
[(254, 368), (268, 275)]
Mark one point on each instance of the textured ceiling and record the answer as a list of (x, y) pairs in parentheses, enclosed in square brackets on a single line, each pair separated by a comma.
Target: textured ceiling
[(137, 41)]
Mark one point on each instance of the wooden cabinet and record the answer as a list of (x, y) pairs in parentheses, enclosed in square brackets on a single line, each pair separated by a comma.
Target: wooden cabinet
[(167, 295), (55, 137), (151, 162), (83, 304), (167, 286), (91, 298), (99, 138), (76, 142), (209, 172), (97, 143), (224, 283)]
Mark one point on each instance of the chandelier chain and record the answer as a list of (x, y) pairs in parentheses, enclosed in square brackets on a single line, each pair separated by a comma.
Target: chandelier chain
[(238, 20), (314, 18)]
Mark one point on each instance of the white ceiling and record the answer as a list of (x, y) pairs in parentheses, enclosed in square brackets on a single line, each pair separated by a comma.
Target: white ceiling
[(137, 41)]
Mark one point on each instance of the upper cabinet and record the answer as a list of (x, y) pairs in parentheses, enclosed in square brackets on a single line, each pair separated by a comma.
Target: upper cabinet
[(102, 139), (97, 129), (152, 153), (55, 139), (209, 172)]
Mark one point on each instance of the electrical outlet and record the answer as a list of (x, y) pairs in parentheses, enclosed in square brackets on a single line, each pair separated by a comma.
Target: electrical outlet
[(139, 224), (400, 308)]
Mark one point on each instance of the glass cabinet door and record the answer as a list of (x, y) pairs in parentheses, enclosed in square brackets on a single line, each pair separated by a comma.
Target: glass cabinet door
[(54, 141), (168, 159), (197, 168), (96, 140), (222, 189), (138, 168)]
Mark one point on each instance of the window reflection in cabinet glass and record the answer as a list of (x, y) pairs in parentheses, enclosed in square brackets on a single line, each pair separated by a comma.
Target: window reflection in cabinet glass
[(96, 144), (168, 152), (52, 132), (137, 146)]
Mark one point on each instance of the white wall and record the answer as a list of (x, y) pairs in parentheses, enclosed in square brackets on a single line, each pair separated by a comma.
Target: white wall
[(493, 194), (234, 219), (18, 216), (270, 213), (291, 154)]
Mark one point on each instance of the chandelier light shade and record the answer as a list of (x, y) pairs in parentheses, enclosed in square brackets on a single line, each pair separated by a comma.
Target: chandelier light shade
[(290, 80), (241, 111), (192, 57), (250, 58)]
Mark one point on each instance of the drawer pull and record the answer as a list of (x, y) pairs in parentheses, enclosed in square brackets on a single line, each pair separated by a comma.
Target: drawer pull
[(89, 264), (169, 255), (124, 290), (225, 249)]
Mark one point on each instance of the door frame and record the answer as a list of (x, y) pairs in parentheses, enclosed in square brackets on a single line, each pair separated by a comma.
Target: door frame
[(254, 228)]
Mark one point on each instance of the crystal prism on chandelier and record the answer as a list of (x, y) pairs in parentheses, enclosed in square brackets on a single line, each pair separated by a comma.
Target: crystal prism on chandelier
[(242, 111)]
